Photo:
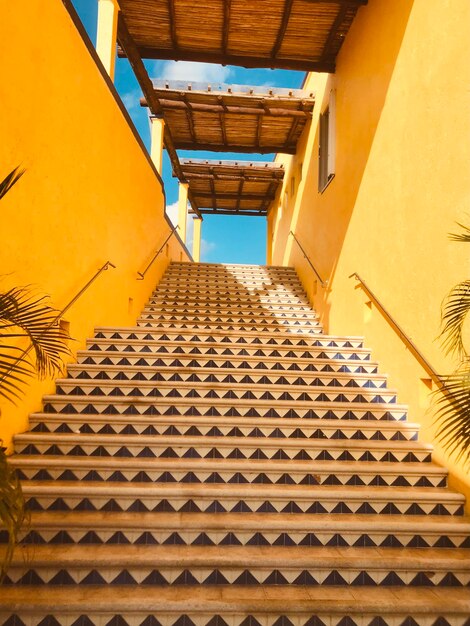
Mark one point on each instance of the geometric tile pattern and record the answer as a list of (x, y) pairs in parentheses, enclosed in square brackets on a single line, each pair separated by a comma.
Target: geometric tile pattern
[(226, 443)]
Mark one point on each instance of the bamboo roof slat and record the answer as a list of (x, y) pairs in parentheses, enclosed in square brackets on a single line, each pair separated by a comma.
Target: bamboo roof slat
[(232, 187), (232, 118), (302, 35)]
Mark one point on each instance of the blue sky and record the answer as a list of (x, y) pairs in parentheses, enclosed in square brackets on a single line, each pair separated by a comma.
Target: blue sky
[(226, 239)]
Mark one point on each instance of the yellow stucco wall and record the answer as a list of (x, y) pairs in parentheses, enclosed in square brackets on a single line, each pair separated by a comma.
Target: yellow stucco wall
[(402, 180), (89, 193)]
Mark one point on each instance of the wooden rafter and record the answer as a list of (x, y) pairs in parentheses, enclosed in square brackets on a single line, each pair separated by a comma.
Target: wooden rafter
[(233, 118), (226, 25), (240, 192), (233, 33), (172, 18), (282, 28), (333, 32), (233, 187), (128, 44)]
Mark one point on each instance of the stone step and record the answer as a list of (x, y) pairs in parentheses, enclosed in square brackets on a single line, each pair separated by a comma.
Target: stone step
[(138, 405), (264, 310), (131, 366), (247, 337), (213, 389), (385, 452), (223, 349), (279, 279), (201, 267), (227, 529), (239, 361), (241, 498), (239, 317), (210, 299), (213, 375), (211, 305), (230, 323), (294, 329), (245, 427), (176, 565), (121, 605), (222, 471)]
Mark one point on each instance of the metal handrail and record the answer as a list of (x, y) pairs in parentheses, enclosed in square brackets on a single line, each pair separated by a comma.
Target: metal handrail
[(401, 333), (60, 314), (323, 283), (142, 274)]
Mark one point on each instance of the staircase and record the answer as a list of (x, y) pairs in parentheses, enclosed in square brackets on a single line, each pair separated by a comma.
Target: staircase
[(225, 463)]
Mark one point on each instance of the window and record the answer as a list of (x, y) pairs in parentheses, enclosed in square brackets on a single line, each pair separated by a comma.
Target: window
[(327, 144)]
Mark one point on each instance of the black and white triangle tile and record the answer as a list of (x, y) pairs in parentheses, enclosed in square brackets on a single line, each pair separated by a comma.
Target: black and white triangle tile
[(225, 463)]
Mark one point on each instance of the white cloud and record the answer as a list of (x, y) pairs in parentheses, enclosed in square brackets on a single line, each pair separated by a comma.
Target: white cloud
[(206, 247), (194, 72), (131, 100), (172, 211)]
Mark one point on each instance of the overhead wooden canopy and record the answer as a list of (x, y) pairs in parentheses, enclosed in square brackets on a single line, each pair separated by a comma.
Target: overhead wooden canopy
[(233, 118), (301, 35), (232, 187)]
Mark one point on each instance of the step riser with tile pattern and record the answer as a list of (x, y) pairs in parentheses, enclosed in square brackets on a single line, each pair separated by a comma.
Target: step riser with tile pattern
[(223, 454)]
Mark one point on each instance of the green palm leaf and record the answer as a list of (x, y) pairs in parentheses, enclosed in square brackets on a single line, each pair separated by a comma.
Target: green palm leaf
[(454, 312), (24, 315), (453, 413), (12, 509), (7, 183)]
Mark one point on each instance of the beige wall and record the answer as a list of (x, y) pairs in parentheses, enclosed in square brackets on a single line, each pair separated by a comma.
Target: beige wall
[(89, 193), (402, 181)]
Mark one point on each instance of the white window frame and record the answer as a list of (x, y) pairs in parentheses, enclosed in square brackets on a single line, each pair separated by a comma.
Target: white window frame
[(327, 144)]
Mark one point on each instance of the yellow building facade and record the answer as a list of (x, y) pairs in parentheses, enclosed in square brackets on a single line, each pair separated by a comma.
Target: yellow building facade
[(399, 109), (90, 193)]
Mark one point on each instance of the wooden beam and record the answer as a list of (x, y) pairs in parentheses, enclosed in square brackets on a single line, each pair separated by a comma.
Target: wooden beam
[(293, 128), (302, 65), (226, 25), (213, 196), (172, 20), (270, 196), (259, 128), (219, 108), (252, 179), (333, 31), (282, 28), (132, 53), (190, 120), (241, 149), (254, 213), (231, 196), (240, 191), (223, 128)]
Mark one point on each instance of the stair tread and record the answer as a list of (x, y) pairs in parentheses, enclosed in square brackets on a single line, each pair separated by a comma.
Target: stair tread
[(180, 556), (223, 442), (242, 422), (261, 492), (250, 522), (297, 600)]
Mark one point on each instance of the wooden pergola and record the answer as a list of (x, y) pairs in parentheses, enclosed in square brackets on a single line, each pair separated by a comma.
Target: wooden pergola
[(233, 118), (301, 35), (232, 187)]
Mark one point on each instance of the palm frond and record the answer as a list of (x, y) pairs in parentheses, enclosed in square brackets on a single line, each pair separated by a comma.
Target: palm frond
[(7, 183), (463, 236), (38, 323), (453, 413), (12, 509), (455, 309)]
